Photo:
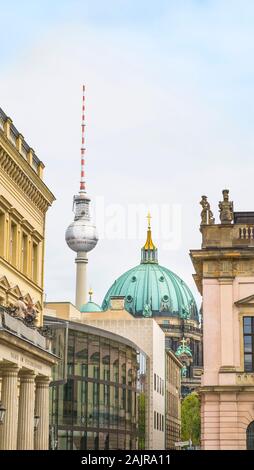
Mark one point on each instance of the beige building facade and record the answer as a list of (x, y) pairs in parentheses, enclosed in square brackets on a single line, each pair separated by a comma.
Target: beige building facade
[(25, 371), (173, 402), (25, 357), (224, 274), (24, 200)]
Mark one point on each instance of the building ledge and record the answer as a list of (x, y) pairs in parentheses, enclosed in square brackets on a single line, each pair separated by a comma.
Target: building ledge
[(18, 328)]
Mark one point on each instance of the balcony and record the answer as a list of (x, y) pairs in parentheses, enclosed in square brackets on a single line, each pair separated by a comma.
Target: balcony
[(180, 328), (17, 327)]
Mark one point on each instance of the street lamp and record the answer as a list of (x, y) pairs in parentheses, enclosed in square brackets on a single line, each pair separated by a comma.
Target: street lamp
[(2, 413), (36, 422)]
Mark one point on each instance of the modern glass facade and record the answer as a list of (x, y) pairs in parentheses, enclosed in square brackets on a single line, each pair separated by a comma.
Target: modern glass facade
[(98, 395)]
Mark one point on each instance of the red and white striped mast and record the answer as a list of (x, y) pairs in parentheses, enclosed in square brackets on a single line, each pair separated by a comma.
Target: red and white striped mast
[(83, 149)]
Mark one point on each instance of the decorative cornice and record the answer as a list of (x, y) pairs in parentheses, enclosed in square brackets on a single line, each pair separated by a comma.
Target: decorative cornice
[(20, 172), (226, 388), (24, 223), (246, 302)]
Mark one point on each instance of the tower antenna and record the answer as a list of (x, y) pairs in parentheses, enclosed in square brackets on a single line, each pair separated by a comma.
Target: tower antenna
[(82, 174)]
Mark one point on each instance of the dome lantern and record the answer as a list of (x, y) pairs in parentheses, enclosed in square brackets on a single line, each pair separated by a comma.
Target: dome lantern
[(149, 250)]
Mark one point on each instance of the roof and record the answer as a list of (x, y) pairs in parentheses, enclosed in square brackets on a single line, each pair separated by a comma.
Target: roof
[(90, 307), (153, 290)]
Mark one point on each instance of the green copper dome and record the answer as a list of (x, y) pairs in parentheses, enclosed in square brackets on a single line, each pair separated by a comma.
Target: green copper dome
[(90, 306), (153, 290)]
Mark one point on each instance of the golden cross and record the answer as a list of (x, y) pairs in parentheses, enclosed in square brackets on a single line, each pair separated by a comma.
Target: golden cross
[(184, 342), (90, 294), (149, 219)]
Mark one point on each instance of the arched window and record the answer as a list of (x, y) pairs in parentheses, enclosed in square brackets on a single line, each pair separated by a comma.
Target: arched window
[(250, 436)]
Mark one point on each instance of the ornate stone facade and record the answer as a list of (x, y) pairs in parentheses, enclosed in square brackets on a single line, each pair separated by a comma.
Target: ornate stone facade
[(25, 372), (224, 274), (24, 200)]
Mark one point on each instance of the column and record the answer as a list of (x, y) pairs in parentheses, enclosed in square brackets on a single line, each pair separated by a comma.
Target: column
[(81, 286), (26, 411), (41, 436), (227, 322), (9, 398)]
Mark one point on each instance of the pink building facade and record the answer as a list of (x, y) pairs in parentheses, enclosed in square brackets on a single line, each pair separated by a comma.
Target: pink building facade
[(224, 275)]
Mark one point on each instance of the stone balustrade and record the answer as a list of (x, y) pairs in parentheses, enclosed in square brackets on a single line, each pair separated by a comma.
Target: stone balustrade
[(246, 232), (19, 328)]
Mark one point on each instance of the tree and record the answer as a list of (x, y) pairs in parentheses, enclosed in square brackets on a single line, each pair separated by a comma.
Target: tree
[(190, 411)]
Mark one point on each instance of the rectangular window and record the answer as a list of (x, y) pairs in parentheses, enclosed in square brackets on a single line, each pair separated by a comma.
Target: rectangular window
[(157, 420), (13, 243), (24, 263), (162, 425), (154, 379), (154, 416), (248, 340), (2, 222), (34, 262)]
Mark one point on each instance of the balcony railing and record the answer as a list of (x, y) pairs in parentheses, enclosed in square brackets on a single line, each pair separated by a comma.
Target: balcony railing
[(246, 232), (186, 328), (19, 328)]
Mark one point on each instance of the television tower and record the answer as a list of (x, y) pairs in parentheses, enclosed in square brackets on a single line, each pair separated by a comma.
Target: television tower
[(81, 235)]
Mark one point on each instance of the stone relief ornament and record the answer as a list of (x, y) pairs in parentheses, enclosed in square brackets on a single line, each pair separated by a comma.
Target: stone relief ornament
[(226, 208), (206, 213), (147, 311)]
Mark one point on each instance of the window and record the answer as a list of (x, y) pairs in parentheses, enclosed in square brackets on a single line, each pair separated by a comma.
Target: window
[(250, 436), (248, 338), (13, 243), (24, 253), (154, 382), (154, 416), (34, 262), (2, 221)]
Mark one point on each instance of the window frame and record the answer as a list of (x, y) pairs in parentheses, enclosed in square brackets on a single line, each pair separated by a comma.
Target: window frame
[(251, 335)]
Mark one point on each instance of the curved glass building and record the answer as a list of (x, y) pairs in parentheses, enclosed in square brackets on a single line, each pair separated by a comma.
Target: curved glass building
[(98, 389)]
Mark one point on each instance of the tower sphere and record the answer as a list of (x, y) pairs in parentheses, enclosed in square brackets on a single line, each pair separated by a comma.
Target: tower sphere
[(81, 235)]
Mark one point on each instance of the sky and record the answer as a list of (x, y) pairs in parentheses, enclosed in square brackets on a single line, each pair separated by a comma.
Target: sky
[(169, 117)]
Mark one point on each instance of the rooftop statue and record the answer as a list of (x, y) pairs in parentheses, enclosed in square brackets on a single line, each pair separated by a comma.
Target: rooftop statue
[(184, 371), (186, 313), (206, 213), (226, 208)]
